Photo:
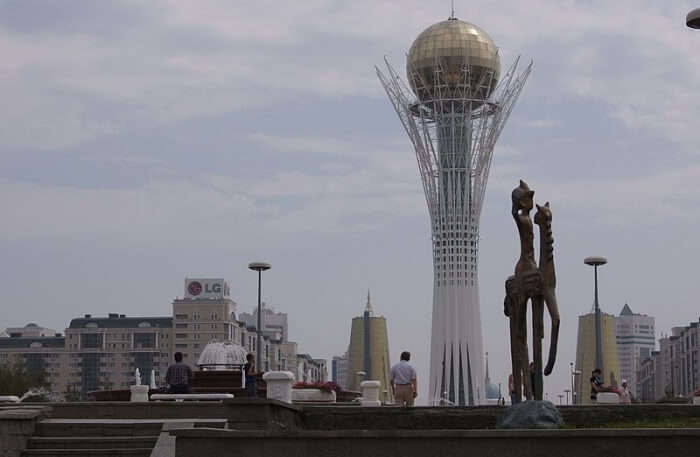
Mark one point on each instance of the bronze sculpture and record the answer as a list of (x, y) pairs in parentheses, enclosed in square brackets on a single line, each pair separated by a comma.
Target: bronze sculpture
[(535, 283)]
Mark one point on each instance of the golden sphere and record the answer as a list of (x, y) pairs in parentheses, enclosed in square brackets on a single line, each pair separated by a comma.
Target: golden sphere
[(467, 56)]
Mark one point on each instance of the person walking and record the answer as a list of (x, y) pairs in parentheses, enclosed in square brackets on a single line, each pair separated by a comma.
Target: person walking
[(179, 376), (251, 376), (404, 383)]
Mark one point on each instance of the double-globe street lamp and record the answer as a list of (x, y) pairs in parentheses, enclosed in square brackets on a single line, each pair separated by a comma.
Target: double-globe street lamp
[(259, 267)]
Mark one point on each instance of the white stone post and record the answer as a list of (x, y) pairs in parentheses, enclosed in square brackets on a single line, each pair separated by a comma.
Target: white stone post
[(279, 385), (370, 393), (139, 393)]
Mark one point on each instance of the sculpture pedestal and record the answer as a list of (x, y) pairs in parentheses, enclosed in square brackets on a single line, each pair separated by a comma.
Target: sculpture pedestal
[(279, 385), (531, 414), (139, 393), (370, 393)]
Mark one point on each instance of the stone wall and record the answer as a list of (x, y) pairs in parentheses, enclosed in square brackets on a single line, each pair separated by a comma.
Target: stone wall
[(438, 443), (17, 425)]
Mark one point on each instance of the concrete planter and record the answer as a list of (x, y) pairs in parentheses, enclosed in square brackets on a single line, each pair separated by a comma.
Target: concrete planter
[(279, 385), (302, 395), (608, 398)]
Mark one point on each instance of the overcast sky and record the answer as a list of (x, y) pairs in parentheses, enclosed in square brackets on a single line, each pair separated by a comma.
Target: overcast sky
[(142, 142)]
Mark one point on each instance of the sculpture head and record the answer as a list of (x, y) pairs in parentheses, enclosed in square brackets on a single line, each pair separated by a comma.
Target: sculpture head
[(543, 216), (522, 197)]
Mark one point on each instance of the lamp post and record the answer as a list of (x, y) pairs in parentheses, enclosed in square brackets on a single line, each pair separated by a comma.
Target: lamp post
[(692, 20), (259, 267), (597, 262)]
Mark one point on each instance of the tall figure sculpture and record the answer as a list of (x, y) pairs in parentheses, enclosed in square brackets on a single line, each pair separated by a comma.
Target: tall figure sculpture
[(534, 283), (455, 109)]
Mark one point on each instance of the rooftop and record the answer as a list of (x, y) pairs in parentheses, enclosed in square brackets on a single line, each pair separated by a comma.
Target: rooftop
[(121, 321)]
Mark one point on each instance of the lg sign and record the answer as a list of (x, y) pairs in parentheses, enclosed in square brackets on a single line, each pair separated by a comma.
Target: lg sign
[(206, 288)]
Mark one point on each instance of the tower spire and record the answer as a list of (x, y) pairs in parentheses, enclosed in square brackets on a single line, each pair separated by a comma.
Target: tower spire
[(368, 307), (488, 379)]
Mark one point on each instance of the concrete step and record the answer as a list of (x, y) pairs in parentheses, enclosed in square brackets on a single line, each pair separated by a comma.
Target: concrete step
[(91, 442), (91, 428), (136, 452)]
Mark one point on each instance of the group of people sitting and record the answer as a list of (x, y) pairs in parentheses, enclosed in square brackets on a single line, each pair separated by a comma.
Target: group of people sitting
[(597, 387)]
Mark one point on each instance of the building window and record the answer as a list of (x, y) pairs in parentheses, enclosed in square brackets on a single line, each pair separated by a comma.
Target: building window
[(181, 335), (181, 316)]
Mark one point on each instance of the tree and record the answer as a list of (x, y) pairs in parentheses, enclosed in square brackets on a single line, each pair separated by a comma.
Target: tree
[(17, 380)]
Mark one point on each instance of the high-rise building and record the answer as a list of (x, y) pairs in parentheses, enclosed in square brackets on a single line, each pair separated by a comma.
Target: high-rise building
[(635, 342), (454, 112), (369, 352), (205, 313), (339, 370), (586, 353), (272, 322)]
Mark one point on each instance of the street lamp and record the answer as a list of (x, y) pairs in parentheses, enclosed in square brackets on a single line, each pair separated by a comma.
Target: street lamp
[(259, 267), (574, 394), (597, 262), (692, 20)]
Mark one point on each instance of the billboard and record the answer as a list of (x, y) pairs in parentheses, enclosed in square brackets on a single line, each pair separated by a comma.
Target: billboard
[(206, 288)]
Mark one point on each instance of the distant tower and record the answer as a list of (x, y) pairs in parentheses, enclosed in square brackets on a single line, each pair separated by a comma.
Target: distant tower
[(369, 351), (586, 354), (453, 121)]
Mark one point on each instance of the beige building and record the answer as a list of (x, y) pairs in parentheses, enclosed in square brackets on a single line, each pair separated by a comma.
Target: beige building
[(369, 352), (586, 354), (103, 353), (37, 354)]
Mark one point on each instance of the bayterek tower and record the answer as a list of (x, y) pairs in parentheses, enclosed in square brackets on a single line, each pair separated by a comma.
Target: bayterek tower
[(456, 107)]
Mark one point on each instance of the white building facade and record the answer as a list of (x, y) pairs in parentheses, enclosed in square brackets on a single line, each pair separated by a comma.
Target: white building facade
[(635, 342)]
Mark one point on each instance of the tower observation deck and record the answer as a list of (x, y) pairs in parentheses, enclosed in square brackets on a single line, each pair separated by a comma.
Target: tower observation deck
[(454, 111)]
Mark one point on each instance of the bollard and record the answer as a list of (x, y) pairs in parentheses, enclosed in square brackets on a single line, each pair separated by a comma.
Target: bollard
[(279, 385), (370, 393)]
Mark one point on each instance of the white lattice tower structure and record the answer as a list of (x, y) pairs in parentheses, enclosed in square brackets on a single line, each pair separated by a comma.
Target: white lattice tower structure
[(453, 114)]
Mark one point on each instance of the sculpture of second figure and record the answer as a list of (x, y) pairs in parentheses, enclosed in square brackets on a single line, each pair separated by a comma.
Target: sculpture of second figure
[(534, 283)]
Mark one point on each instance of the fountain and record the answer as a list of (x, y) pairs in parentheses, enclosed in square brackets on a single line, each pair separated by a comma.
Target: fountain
[(220, 368), (222, 356)]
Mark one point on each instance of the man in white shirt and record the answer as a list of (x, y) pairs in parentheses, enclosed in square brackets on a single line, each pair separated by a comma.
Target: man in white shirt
[(404, 384)]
